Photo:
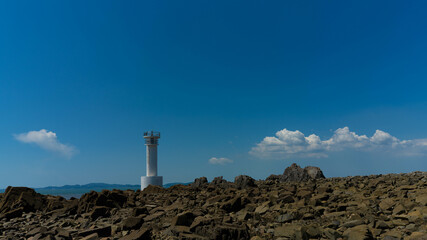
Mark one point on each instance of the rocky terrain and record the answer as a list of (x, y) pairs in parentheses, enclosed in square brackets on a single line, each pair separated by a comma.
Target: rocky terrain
[(299, 204)]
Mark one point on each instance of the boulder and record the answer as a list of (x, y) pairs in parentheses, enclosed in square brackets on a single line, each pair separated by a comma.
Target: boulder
[(291, 232), (132, 223), (137, 211), (294, 173), (233, 205), (219, 182), (199, 182), (22, 197), (360, 232), (243, 181), (111, 199), (99, 212), (314, 172), (152, 189), (183, 219), (287, 217)]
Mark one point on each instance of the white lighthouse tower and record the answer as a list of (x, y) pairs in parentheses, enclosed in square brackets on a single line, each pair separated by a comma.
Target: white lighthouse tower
[(151, 141)]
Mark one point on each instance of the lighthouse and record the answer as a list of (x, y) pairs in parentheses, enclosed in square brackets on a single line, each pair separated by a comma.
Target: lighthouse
[(151, 178)]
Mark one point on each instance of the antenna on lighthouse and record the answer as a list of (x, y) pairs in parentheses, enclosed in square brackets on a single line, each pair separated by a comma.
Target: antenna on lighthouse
[(151, 178)]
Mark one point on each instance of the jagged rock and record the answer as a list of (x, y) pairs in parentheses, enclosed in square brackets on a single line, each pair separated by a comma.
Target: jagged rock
[(200, 221), (243, 181), (386, 204), (273, 177), (284, 218), (111, 199), (17, 197), (36, 230), (137, 211), (151, 189), (330, 233), (183, 219), (233, 205), (263, 208), (141, 234), (219, 182), (422, 199), (62, 233), (14, 213), (417, 236), (314, 172), (295, 173), (132, 223), (360, 232), (99, 212), (353, 223), (199, 182), (291, 231)]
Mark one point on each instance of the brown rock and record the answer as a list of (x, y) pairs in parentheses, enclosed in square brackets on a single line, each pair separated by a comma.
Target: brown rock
[(360, 232), (233, 205), (21, 197), (12, 213), (291, 231), (139, 211), (36, 230), (183, 219), (132, 223), (244, 181), (386, 204), (141, 234), (102, 232), (314, 172), (99, 212), (199, 182), (93, 236)]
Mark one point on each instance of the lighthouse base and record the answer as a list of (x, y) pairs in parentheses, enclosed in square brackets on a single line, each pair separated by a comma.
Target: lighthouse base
[(153, 180)]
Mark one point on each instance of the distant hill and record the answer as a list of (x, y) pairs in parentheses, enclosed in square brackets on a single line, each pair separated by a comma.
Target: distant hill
[(76, 190)]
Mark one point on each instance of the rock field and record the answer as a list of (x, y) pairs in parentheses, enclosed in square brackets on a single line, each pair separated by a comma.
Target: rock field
[(299, 204)]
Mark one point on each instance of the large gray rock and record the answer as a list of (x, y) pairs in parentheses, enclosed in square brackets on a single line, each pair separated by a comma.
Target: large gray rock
[(314, 172), (295, 173), (244, 181)]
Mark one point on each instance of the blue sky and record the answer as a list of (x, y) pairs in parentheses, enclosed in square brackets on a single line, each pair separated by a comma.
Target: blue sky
[(81, 80)]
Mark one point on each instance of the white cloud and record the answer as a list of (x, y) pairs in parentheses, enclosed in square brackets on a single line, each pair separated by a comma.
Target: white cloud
[(46, 140), (295, 144), (220, 161)]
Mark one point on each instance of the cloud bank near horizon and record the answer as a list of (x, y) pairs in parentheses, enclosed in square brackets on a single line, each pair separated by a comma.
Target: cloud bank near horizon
[(220, 161), (46, 140), (287, 144)]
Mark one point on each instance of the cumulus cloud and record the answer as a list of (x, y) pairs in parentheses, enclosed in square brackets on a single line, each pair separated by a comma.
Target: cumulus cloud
[(288, 143), (220, 161), (46, 140)]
